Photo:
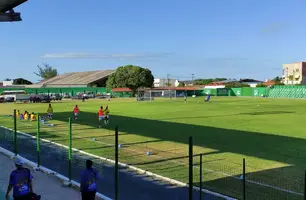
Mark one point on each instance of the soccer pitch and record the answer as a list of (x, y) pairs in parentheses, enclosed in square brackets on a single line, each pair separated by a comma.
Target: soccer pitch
[(269, 133)]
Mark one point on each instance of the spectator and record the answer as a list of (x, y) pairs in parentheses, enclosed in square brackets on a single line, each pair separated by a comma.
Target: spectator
[(89, 179), (20, 182)]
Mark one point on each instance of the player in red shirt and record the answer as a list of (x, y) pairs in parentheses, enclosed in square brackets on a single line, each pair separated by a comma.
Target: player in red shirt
[(76, 111), (101, 115)]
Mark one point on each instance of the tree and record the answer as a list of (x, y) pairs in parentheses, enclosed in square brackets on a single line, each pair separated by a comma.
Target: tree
[(132, 77), (181, 84), (236, 85), (207, 81), (277, 79), (46, 71), (261, 85)]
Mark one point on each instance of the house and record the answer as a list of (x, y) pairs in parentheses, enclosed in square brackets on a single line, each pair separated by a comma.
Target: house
[(7, 82), (250, 82), (188, 83), (219, 84), (294, 73), (160, 82), (18, 82), (269, 83)]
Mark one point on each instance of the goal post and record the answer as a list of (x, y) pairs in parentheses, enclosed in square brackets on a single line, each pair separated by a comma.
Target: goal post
[(150, 95), (144, 95)]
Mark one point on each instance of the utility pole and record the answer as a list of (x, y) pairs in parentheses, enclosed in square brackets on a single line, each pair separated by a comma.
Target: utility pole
[(168, 78)]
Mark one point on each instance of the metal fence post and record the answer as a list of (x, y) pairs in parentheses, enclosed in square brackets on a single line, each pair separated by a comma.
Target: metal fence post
[(190, 169), (244, 181), (38, 141), (305, 186), (70, 149), (116, 163), (201, 165), (15, 133)]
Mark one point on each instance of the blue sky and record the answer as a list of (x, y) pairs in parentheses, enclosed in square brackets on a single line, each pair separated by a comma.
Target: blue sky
[(208, 38)]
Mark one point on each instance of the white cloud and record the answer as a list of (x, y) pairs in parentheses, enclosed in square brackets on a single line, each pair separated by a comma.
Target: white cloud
[(97, 56), (274, 28)]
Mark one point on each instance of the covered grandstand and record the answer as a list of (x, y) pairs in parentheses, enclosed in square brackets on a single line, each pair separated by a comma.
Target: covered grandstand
[(7, 13), (77, 79)]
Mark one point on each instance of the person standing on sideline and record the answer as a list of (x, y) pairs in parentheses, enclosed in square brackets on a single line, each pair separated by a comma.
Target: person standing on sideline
[(50, 111), (17, 114), (100, 115), (106, 113), (89, 179), (76, 111), (20, 182)]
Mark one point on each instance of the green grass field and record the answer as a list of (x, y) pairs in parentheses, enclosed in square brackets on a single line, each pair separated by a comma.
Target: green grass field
[(269, 133)]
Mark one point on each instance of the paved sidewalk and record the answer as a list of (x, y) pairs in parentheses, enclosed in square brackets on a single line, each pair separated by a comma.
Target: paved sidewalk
[(46, 185)]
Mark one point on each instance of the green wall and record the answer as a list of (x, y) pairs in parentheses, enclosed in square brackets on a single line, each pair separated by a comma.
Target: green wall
[(206, 91), (275, 92), (236, 91), (222, 91), (249, 92), (288, 91)]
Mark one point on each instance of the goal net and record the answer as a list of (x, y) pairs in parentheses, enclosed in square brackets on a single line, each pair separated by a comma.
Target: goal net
[(150, 95)]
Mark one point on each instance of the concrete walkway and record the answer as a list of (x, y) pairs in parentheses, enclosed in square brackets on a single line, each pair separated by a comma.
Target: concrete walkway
[(46, 185)]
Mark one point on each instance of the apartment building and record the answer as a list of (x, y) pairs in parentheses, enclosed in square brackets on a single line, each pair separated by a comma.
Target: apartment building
[(294, 73)]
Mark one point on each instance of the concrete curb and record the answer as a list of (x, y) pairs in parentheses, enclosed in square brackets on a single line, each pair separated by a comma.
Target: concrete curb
[(141, 171)]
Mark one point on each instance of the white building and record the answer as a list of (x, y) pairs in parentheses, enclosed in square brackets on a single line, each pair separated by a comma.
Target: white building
[(8, 83), (294, 73), (163, 82)]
